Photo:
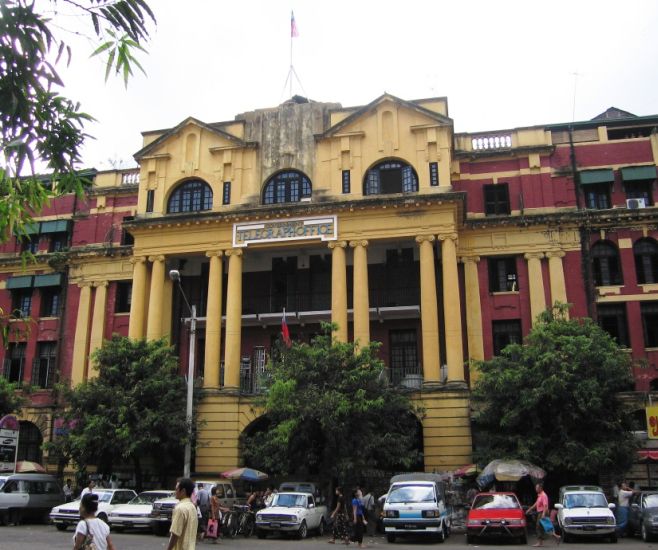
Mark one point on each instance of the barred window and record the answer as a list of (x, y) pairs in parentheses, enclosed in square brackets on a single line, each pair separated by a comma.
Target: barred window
[(43, 367), (605, 261), (14, 365), (646, 261), (612, 319), (505, 333), (191, 196), (226, 193), (289, 186), (346, 182)]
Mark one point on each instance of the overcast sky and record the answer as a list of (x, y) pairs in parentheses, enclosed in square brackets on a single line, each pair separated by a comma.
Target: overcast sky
[(501, 64)]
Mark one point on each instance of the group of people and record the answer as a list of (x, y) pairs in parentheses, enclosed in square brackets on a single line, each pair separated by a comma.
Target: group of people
[(352, 518)]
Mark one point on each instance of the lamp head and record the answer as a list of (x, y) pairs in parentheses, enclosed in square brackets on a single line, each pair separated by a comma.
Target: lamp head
[(174, 275)]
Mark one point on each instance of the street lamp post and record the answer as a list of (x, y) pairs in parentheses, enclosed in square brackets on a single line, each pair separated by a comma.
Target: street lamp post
[(174, 275)]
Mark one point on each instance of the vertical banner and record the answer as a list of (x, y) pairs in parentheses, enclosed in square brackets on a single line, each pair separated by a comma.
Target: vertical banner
[(9, 428), (652, 422)]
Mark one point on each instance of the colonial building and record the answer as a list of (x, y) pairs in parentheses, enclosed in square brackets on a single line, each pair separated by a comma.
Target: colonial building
[(444, 247)]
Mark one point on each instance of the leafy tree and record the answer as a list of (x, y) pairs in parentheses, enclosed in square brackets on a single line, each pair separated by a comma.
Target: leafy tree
[(553, 400), (330, 411), (10, 400), (38, 126), (133, 409)]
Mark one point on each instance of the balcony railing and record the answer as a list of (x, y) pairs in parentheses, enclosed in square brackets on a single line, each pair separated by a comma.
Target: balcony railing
[(492, 142), (130, 177)]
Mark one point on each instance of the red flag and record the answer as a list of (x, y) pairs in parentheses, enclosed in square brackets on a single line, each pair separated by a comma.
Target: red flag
[(285, 333), (293, 26)]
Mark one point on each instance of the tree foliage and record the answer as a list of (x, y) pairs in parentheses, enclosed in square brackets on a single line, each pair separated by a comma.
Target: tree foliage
[(331, 412), (554, 399), (10, 400), (38, 125), (133, 409)]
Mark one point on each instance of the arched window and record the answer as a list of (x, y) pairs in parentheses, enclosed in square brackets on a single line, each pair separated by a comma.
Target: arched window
[(646, 261), (190, 196), (29, 442), (288, 186), (390, 176), (605, 261)]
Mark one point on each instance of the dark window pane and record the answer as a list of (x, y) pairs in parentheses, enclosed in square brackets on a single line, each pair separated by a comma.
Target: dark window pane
[(286, 187), (191, 196), (346, 182), (597, 196), (505, 333), (403, 354), (502, 275), (605, 263), (496, 199), (434, 174), (226, 194), (650, 323), (150, 199), (612, 319), (646, 261), (124, 297), (390, 177)]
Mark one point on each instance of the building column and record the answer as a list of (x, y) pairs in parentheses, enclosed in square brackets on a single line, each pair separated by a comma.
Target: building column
[(473, 310), (556, 273), (452, 312), (360, 299), (156, 298), (429, 312), (138, 298), (232, 354), (536, 283), (339, 289), (81, 338), (97, 324), (213, 321)]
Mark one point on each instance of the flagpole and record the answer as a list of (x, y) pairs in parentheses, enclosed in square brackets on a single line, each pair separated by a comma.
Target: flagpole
[(291, 37)]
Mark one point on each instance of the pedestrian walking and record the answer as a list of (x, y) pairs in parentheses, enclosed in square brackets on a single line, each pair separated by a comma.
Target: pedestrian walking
[(91, 530), (541, 507), (339, 518), (68, 491), (203, 502), (359, 520), (371, 514), (184, 522), (89, 488)]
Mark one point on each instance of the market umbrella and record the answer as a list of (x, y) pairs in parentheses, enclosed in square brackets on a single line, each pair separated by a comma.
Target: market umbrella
[(467, 470), (27, 466), (509, 470), (245, 474)]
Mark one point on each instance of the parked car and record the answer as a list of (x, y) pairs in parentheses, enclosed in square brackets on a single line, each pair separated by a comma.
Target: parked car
[(108, 499), (584, 511), (496, 515), (643, 515), (163, 508), (294, 513), (415, 505), (28, 496), (137, 513), (303, 487)]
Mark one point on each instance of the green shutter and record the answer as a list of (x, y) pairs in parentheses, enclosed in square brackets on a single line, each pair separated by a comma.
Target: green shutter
[(53, 279), (591, 177), (23, 281), (635, 173), (31, 228), (55, 226)]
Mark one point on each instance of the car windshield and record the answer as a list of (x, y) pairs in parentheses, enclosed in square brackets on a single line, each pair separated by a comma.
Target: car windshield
[(585, 500), (489, 502), (103, 497), (148, 498), (651, 501), (289, 501), (411, 493)]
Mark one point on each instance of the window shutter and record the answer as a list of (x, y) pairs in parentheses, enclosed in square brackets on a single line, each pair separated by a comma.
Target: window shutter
[(6, 367), (36, 367)]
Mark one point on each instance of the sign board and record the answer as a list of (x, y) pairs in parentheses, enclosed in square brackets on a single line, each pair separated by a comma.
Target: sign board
[(652, 422), (293, 229), (9, 429)]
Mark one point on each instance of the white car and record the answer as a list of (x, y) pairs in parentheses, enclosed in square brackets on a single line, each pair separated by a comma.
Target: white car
[(137, 513), (583, 511), (69, 514), (295, 513)]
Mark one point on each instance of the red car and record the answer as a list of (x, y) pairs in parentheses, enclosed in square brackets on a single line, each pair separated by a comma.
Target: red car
[(496, 515)]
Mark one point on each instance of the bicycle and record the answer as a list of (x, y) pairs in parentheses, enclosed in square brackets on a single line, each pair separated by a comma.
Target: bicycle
[(239, 521)]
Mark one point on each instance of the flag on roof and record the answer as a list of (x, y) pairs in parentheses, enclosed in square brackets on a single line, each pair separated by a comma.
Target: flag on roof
[(293, 26)]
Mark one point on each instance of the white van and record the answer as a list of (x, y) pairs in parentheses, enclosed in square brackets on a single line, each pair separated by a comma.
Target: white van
[(28, 496), (415, 505)]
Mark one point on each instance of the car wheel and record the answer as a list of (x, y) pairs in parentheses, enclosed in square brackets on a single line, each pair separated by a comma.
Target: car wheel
[(645, 535), (321, 528), (390, 538), (303, 531), (160, 529), (441, 537), (261, 533), (60, 526)]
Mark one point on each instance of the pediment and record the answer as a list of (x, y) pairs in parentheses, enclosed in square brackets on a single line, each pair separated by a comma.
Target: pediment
[(222, 138), (354, 120)]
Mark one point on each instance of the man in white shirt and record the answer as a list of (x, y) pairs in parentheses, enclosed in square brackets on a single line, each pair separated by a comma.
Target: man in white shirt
[(89, 489)]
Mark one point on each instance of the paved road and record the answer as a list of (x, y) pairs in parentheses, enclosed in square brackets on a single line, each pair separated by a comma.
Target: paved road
[(44, 537)]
